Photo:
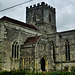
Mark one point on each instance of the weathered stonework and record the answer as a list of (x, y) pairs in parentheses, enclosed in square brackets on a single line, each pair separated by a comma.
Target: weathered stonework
[(35, 47), (38, 15)]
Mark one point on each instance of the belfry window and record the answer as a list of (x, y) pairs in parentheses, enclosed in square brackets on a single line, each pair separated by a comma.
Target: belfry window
[(34, 17), (15, 50), (67, 50), (49, 18)]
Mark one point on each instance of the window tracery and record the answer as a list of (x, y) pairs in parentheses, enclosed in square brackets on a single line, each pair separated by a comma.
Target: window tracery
[(15, 49), (67, 50)]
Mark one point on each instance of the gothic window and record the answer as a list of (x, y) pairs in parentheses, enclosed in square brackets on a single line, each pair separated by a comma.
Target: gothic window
[(53, 52), (52, 47), (67, 50), (36, 65), (23, 61), (12, 50), (34, 17), (29, 60), (49, 18), (15, 49)]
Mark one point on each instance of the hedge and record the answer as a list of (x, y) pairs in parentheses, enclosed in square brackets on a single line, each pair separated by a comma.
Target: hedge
[(28, 73)]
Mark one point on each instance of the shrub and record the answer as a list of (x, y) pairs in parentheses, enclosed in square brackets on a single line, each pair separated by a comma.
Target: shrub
[(28, 73), (54, 68), (66, 68), (73, 68)]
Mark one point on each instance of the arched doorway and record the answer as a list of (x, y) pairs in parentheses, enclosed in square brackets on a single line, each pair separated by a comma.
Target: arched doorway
[(43, 64)]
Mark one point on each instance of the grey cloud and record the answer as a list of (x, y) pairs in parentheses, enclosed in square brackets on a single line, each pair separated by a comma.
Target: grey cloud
[(65, 16), (64, 11)]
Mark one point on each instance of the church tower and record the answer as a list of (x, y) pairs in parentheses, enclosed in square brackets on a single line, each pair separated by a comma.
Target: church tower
[(43, 17)]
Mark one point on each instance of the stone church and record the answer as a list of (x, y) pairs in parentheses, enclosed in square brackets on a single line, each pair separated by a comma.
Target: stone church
[(36, 45)]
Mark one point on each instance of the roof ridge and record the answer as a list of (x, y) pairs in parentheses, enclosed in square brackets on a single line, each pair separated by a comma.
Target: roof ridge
[(18, 22)]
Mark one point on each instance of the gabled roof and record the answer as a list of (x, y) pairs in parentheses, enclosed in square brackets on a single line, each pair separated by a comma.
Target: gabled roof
[(18, 22), (32, 40)]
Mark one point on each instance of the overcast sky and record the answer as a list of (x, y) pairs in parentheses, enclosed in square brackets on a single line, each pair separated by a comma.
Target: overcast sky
[(65, 11)]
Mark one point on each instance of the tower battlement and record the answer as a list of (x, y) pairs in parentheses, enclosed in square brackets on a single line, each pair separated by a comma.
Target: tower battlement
[(43, 4), (42, 16)]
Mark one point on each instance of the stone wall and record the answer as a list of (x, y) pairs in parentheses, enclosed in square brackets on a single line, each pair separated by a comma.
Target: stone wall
[(40, 15), (43, 51), (28, 57), (64, 66), (9, 33), (48, 47), (68, 35)]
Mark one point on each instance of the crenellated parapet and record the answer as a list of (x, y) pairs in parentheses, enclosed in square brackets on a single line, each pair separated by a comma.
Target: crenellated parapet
[(43, 4)]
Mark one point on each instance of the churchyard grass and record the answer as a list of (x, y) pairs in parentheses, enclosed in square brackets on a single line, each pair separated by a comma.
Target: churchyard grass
[(22, 72)]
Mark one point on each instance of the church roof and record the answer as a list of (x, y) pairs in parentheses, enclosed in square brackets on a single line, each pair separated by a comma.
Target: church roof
[(18, 22), (32, 40)]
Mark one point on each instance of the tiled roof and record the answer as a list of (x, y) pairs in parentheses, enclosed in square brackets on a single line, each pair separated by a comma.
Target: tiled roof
[(32, 40), (18, 22)]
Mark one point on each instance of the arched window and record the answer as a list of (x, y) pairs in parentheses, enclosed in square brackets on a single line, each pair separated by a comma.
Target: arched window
[(49, 18), (29, 60), (52, 47), (67, 50), (12, 50), (53, 51), (34, 17), (23, 61), (15, 50)]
